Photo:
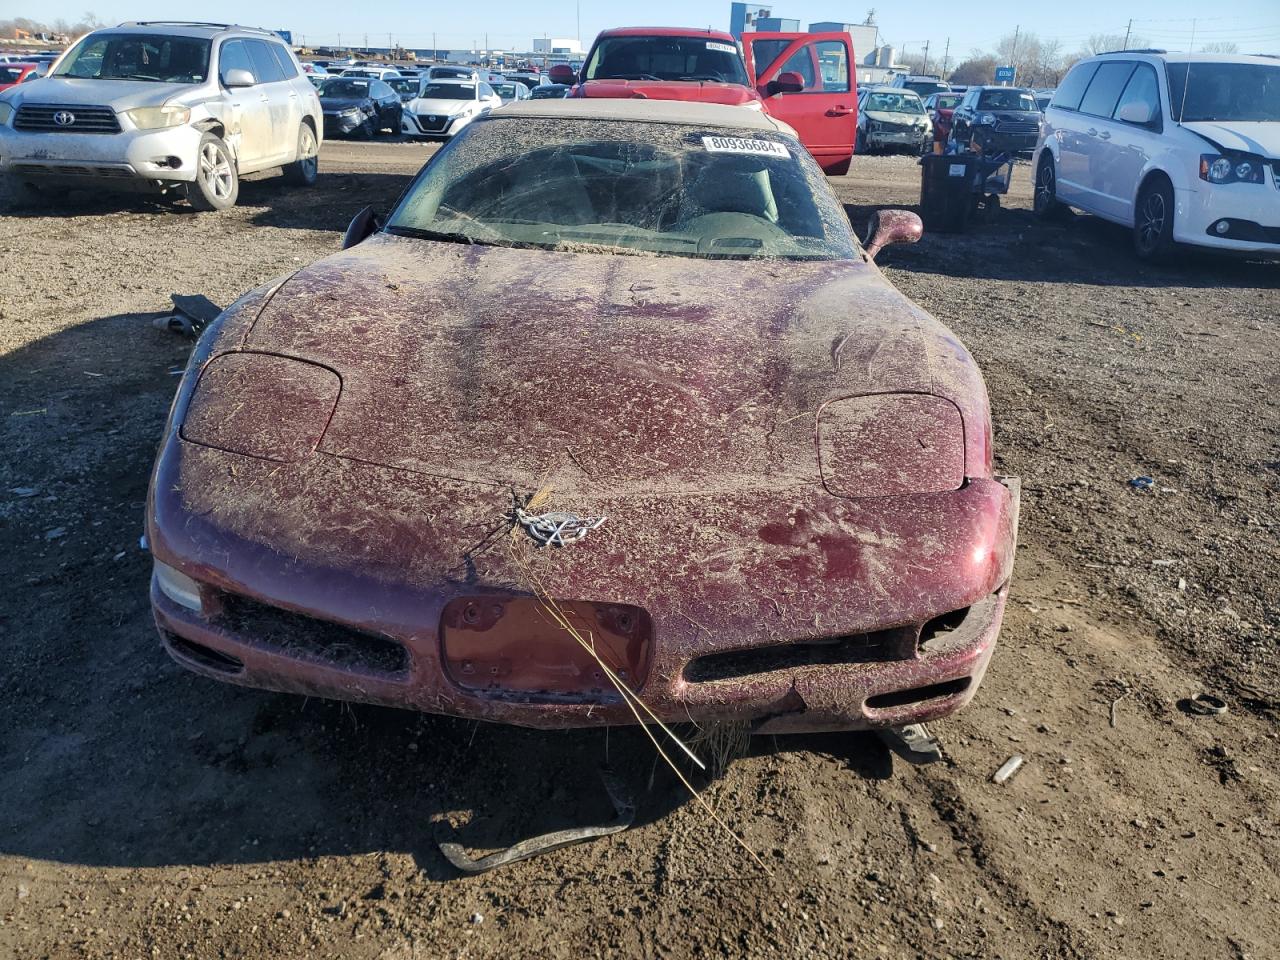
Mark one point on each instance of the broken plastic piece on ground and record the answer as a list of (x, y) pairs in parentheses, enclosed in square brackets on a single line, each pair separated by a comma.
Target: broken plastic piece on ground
[(190, 314), (623, 804), (1007, 769), (1206, 705), (912, 743), (1143, 484)]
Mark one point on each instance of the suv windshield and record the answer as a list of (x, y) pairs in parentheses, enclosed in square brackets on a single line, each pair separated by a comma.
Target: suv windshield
[(136, 56), (1007, 100), (924, 88), (893, 103), (597, 186), (1224, 91), (666, 58), (448, 91)]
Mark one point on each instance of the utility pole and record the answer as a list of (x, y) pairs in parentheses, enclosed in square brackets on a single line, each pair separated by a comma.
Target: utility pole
[(946, 53), (366, 43), (1013, 54), (577, 7), (391, 47), (925, 67), (433, 45), (1127, 31)]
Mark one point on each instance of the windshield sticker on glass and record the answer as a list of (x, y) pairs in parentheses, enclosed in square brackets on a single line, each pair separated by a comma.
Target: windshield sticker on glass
[(721, 47), (765, 148)]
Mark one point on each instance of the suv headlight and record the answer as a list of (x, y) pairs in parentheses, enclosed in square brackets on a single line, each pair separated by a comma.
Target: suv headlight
[(1232, 168), (156, 118), (987, 119), (6, 111)]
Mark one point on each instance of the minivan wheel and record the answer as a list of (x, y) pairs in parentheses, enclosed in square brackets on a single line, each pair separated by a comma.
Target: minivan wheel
[(1045, 201), (302, 172), (217, 185), (1153, 221)]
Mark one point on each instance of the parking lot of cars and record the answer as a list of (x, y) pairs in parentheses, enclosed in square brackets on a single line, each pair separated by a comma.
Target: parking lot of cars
[(559, 268)]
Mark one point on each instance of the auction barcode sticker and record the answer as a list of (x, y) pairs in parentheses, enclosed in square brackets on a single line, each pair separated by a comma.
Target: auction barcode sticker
[(765, 148), (721, 47)]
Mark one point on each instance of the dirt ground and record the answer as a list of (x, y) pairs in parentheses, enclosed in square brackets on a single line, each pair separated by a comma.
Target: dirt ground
[(147, 812)]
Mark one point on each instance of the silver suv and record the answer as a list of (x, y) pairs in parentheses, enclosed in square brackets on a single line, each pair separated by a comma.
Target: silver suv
[(163, 106)]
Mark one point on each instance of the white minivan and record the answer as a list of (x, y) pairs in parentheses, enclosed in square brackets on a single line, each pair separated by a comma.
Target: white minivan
[(1182, 148)]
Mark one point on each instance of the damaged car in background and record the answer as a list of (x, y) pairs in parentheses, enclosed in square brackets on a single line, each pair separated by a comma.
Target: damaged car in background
[(167, 108), (613, 417)]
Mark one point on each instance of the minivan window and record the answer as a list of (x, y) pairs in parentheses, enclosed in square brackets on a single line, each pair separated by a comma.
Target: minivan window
[(1073, 87), (1144, 89), (1243, 92), (1104, 92), (265, 67)]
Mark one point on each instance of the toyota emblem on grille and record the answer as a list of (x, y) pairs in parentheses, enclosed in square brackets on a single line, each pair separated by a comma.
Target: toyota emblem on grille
[(64, 118)]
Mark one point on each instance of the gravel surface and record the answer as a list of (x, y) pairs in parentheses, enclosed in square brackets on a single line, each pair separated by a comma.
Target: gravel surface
[(147, 812)]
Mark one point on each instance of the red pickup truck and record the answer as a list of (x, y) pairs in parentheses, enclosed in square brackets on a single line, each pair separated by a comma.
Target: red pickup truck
[(806, 80)]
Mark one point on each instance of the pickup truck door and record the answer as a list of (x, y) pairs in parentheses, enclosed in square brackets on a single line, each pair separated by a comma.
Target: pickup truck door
[(825, 112)]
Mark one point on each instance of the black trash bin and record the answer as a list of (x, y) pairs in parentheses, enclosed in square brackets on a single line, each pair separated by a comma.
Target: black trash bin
[(946, 190)]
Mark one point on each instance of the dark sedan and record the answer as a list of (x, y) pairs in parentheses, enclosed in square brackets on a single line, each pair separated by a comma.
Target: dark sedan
[(997, 120), (358, 106)]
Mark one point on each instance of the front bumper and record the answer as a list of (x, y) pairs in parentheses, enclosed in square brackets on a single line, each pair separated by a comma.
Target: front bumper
[(151, 156), (341, 125), (795, 612), (995, 141), (881, 139), (1252, 212), (415, 125)]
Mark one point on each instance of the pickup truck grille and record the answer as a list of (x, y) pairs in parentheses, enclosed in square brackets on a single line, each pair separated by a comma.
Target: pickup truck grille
[(55, 118), (1017, 126)]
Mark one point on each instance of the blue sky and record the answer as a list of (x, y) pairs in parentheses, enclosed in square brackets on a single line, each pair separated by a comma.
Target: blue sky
[(1253, 24)]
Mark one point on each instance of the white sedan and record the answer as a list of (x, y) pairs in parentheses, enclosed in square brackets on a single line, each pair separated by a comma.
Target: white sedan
[(443, 107)]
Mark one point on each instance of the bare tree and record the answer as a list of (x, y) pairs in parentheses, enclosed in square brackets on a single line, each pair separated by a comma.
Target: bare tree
[(1219, 46), (979, 68)]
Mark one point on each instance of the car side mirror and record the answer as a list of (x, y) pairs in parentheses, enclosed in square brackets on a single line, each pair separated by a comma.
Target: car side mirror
[(363, 225), (788, 82), (1135, 112), (236, 78), (888, 227)]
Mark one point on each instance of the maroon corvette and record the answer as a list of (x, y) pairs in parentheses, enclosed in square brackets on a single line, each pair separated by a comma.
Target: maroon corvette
[(772, 496)]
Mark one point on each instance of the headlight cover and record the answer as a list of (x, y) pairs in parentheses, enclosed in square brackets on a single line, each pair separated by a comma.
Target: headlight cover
[(157, 118), (987, 119), (890, 444), (261, 405), (6, 111), (1231, 168)]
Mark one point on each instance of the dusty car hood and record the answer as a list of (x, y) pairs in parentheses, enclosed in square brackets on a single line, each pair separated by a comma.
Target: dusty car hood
[(1257, 137), (514, 367), (119, 95), (700, 91)]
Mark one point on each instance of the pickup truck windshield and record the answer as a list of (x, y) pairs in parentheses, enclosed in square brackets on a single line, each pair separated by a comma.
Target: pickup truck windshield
[(666, 58), (135, 56), (595, 186), (1243, 92)]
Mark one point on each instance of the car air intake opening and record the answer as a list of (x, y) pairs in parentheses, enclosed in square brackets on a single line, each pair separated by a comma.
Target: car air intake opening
[(204, 656), (898, 643), (315, 641), (942, 624), (902, 698)]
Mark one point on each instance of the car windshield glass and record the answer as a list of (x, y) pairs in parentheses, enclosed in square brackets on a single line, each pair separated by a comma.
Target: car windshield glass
[(1006, 100), (344, 88), (1248, 92), (924, 88), (444, 73), (618, 187), (137, 56), (894, 103), (666, 58), (10, 74), (448, 91), (549, 93), (505, 90), (403, 84), (948, 101)]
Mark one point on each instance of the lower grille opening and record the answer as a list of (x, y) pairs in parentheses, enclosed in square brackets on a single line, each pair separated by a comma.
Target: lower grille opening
[(306, 638), (896, 644), (204, 656), (901, 698), (942, 624)]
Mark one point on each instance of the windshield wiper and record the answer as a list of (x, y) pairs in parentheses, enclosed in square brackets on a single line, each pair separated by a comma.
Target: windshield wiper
[(713, 77), (628, 76), (419, 234)]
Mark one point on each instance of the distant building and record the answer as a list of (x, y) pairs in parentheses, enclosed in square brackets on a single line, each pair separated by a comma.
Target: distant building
[(558, 47), (745, 17)]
